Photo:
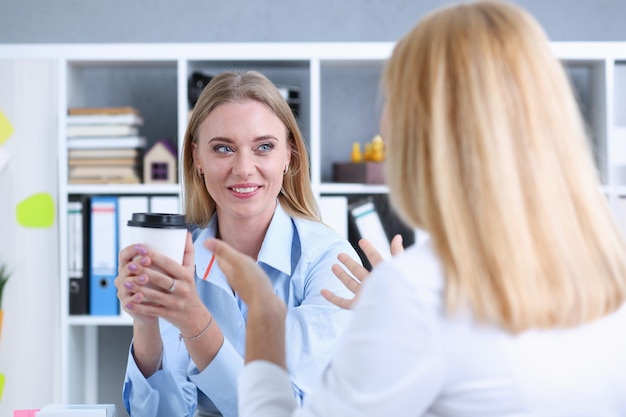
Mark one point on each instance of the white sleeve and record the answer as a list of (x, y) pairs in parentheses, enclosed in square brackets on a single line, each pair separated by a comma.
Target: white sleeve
[(265, 391), (390, 360)]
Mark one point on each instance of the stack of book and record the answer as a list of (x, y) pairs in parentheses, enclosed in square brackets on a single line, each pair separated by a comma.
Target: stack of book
[(104, 145)]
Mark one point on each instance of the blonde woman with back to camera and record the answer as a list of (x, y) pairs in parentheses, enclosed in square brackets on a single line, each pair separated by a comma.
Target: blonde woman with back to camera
[(515, 306)]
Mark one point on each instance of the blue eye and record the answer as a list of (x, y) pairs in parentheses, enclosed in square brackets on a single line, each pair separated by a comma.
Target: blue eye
[(223, 149), (265, 147)]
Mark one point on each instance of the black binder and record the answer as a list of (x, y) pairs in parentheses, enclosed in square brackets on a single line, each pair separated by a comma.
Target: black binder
[(78, 254)]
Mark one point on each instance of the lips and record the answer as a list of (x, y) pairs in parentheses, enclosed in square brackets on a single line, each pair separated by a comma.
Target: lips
[(245, 190)]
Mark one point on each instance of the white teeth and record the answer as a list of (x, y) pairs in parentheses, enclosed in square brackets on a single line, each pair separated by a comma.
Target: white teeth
[(244, 190)]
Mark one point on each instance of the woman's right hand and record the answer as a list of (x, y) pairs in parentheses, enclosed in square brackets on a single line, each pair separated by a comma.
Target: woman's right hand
[(359, 273), (128, 282), (151, 285)]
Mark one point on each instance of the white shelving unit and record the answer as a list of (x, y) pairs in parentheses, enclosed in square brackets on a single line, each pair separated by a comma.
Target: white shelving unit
[(339, 86)]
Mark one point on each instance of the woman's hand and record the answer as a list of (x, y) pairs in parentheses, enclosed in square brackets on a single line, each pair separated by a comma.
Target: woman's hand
[(244, 275), (151, 285), (265, 327), (359, 273)]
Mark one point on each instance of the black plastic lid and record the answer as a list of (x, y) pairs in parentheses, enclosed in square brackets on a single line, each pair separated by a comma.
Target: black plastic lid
[(158, 220)]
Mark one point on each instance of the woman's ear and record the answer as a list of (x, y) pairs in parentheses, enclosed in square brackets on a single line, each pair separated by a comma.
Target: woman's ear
[(194, 149)]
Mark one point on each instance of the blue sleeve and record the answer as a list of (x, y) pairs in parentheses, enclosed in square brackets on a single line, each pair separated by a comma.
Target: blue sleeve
[(173, 390), (167, 392), (218, 381)]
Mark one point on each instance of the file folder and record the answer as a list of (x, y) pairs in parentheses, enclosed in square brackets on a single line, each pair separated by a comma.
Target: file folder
[(104, 251), (78, 254), (126, 206)]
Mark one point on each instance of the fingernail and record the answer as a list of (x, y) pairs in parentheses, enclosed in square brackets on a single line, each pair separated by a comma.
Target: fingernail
[(142, 278), (132, 267), (143, 260), (137, 297), (129, 306), (128, 285), (141, 250)]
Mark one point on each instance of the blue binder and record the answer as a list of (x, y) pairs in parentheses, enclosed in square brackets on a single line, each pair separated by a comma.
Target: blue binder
[(104, 251)]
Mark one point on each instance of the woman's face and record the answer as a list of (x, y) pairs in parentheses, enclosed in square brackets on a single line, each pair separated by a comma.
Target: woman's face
[(242, 150)]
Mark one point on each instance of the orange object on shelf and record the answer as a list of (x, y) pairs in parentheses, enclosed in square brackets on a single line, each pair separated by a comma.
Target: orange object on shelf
[(356, 155)]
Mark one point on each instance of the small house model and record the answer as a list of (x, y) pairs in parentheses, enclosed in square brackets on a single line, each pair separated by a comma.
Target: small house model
[(159, 163)]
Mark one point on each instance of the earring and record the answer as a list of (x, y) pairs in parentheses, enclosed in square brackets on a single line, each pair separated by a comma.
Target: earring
[(200, 173), (286, 169)]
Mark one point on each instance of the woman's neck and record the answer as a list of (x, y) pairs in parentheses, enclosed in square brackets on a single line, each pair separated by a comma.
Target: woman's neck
[(245, 235)]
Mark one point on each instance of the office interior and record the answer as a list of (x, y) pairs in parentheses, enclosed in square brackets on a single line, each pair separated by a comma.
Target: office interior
[(30, 345)]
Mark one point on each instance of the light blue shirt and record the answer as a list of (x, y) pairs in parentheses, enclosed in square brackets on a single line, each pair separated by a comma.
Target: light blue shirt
[(297, 256)]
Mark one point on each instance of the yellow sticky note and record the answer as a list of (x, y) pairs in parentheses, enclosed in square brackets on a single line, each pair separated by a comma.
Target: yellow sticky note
[(6, 128), (1, 385), (36, 211)]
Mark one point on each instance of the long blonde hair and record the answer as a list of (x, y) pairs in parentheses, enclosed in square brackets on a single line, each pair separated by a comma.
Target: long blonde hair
[(296, 195), (488, 153)]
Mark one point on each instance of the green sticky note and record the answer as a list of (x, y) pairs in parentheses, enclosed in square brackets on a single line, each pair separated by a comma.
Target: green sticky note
[(36, 211), (1, 385), (6, 129)]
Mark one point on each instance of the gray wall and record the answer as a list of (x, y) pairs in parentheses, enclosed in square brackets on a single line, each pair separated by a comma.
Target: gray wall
[(97, 21)]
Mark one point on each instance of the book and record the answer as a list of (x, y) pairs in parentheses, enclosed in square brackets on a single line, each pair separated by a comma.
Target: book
[(94, 180), (103, 172), (121, 142), (117, 171), (103, 153), (131, 119), (75, 162), (101, 130), (102, 110)]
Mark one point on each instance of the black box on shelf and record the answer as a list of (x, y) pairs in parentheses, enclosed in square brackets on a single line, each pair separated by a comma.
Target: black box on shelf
[(359, 172)]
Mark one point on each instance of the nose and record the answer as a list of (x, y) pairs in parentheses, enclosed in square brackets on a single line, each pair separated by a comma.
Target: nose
[(243, 165)]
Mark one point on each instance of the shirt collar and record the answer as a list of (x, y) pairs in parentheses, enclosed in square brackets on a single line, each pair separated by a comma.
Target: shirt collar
[(275, 250), (277, 245)]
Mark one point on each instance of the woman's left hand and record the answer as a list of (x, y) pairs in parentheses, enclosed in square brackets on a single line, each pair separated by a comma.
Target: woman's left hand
[(359, 273)]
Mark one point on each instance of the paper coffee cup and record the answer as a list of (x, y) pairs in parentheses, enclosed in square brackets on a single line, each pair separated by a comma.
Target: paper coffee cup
[(161, 232)]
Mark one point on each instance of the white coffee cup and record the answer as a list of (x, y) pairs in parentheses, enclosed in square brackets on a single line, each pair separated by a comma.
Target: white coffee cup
[(162, 232)]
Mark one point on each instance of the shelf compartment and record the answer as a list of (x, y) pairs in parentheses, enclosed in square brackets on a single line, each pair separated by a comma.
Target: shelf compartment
[(351, 105), (149, 86)]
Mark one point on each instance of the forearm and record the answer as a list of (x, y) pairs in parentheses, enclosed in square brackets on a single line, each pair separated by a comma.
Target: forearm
[(147, 346), (265, 331), (203, 340)]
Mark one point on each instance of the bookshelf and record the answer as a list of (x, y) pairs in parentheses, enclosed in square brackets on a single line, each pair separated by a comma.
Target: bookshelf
[(340, 104)]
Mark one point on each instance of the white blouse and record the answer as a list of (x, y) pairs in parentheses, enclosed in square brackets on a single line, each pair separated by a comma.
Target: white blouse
[(403, 356)]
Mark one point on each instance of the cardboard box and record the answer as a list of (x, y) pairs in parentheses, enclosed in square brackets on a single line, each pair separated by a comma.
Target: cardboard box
[(362, 172)]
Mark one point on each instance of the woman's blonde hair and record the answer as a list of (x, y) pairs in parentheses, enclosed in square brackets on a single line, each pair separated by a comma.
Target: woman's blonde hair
[(296, 195), (487, 151)]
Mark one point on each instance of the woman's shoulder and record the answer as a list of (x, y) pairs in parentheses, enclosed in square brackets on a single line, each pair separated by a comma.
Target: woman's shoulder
[(314, 227), (317, 236), (419, 266)]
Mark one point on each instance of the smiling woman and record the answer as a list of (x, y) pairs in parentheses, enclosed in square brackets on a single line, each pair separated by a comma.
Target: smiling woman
[(243, 165), (246, 179)]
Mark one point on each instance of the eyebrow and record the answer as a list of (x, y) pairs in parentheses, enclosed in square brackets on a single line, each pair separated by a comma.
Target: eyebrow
[(229, 140)]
